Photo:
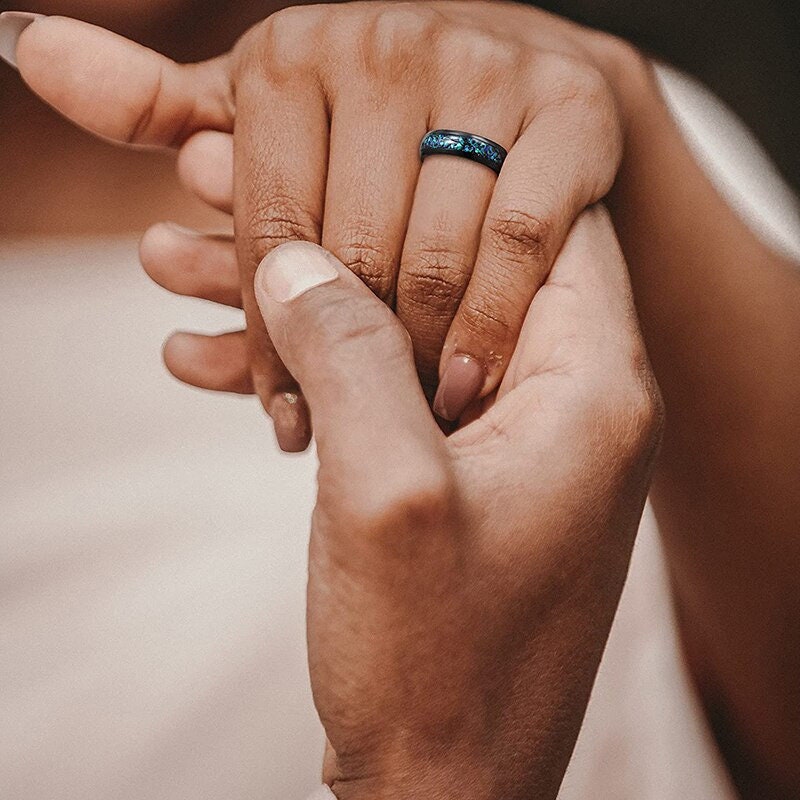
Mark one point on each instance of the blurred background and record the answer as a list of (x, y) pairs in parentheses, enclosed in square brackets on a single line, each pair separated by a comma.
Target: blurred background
[(152, 538)]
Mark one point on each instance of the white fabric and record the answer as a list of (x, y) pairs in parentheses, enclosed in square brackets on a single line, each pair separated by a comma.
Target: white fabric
[(323, 793), (152, 567)]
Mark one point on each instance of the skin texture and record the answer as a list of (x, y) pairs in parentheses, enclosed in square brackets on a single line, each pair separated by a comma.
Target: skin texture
[(720, 314), (300, 82), (455, 548)]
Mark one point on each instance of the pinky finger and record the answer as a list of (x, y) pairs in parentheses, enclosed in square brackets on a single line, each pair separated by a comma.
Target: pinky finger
[(219, 363)]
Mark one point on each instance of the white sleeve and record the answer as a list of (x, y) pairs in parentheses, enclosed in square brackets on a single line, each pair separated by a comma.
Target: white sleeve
[(323, 793)]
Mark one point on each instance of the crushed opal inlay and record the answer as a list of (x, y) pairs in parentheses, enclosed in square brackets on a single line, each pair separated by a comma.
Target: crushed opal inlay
[(467, 145)]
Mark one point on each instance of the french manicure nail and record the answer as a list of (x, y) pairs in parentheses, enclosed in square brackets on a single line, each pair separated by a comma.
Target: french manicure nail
[(461, 383), (12, 23), (293, 269)]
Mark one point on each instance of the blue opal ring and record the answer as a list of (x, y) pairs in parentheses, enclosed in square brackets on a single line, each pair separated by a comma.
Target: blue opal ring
[(466, 145)]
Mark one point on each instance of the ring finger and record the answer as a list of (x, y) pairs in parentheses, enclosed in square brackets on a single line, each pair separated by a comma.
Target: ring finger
[(443, 235)]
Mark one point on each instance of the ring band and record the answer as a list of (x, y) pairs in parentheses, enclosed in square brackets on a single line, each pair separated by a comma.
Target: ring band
[(466, 145)]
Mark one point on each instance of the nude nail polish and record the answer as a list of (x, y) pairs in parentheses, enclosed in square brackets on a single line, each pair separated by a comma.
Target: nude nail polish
[(289, 413), (12, 23), (461, 383)]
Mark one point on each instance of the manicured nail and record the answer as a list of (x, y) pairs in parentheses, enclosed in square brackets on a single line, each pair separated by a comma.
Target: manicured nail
[(461, 383), (293, 269), (12, 23), (289, 413)]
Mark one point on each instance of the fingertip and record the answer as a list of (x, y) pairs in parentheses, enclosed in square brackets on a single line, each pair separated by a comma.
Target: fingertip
[(58, 57), (192, 264), (177, 347), (32, 41), (181, 353), (12, 25), (118, 89), (591, 223), (205, 167), (158, 242), (463, 380), (218, 363), (288, 411), (290, 415)]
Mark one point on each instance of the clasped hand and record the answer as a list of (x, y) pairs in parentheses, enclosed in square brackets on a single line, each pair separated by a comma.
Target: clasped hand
[(330, 104), (461, 588)]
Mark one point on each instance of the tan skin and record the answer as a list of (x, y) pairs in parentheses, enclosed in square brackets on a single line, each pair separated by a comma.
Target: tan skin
[(724, 483), (749, 66), (456, 548)]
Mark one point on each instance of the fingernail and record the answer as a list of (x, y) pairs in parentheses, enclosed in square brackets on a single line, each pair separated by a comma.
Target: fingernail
[(289, 413), (461, 383), (12, 23), (293, 269), (182, 230)]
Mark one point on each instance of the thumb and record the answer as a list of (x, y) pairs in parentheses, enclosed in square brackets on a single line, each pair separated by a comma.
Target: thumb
[(352, 358), (112, 86)]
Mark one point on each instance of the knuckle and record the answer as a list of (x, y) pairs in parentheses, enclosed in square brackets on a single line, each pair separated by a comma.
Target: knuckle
[(626, 57), (491, 83), (585, 106), (277, 221), (416, 503), (571, 79), (590, 86), (139, 130), (481, 61), (635, 406), (483, 319), (586, 89), (647, 406), (368, 256), (480, 50), (520, 236), (351, 328), (289, 25), (284, 45), (434, 276), (398, 32)]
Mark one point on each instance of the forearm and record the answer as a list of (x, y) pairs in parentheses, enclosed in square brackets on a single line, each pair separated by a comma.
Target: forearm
[(721, 316)]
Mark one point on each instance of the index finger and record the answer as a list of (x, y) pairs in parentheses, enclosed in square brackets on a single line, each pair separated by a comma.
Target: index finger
[(115, 88)]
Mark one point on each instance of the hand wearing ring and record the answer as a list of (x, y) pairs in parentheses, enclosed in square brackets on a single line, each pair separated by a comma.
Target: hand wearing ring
[(332, 103)]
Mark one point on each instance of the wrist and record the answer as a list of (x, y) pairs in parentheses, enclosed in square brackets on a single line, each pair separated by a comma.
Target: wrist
[(420, 778), (459, 775)]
